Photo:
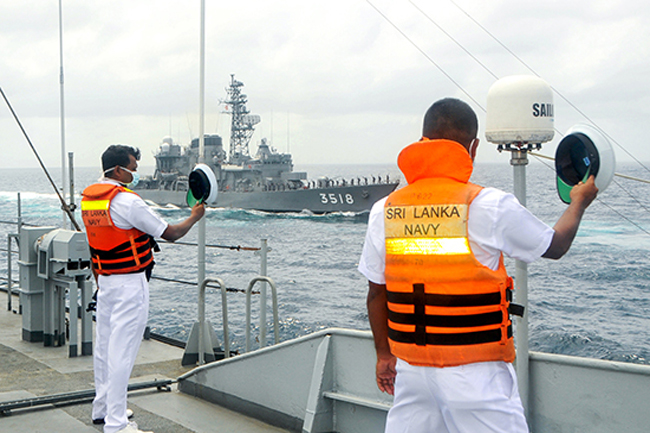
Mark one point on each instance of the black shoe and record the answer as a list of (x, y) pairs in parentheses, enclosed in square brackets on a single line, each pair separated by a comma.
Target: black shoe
[(129, 415)]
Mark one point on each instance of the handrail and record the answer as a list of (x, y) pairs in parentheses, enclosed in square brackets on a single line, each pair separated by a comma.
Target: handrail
[(9, 270), (224, 313), (263, 306)]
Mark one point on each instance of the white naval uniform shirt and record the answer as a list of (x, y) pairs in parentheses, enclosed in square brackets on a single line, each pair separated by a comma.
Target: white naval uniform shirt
[(129, 211)]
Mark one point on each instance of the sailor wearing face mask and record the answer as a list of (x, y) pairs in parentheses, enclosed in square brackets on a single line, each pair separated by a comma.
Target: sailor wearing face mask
[(120, 228)]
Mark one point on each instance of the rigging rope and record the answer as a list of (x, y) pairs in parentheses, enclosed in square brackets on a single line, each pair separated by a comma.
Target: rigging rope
[(190, 283), (571, 104), (64, 205), (624, 176), (227, 247), (540, 156), (496, 77), (454, 40), (535, 73), (426, 55)]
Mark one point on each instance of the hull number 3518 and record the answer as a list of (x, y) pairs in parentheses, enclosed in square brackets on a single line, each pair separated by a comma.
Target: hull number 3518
[(333, 198)]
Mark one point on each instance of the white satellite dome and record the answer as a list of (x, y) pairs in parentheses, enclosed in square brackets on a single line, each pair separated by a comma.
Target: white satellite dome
[(519, 110)]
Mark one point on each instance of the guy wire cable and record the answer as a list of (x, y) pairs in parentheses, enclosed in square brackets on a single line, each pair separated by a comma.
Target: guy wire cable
[(571, 104), (426, 55), (495, 76), (624, 176), (488, 70), (226, 247), (540, 156), (64, 205), (534, 72)]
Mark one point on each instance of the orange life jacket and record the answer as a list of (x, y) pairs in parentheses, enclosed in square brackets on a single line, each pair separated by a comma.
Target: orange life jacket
[(444, 307), (113, 250)]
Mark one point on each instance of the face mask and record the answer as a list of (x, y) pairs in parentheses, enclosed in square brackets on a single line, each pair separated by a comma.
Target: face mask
[(135, 178)]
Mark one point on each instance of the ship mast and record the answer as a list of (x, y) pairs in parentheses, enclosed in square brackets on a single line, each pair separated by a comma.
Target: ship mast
[(242, 124)]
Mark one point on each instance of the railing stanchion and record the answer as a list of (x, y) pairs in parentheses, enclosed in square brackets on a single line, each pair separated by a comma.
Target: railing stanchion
[(9, 276), (276, 322), (263, 250), (224, 313)]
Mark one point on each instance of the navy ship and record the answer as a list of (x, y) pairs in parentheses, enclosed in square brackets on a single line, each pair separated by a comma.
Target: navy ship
[(265, 181)]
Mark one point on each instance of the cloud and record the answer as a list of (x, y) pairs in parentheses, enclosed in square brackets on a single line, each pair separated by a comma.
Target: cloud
[(333, 78)]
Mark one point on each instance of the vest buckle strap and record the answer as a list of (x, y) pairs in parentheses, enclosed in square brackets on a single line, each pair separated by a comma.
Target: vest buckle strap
[(146, 259), (516, 309), (440, 300), (456, 339), (111, 255), (447, 321)]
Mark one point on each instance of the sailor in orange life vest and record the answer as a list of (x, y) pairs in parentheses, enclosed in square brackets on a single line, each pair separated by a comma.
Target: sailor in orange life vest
[(120, 228), (439, 294)]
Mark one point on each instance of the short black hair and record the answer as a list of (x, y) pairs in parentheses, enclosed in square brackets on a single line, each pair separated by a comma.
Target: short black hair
[(118, 154), (450, 119)]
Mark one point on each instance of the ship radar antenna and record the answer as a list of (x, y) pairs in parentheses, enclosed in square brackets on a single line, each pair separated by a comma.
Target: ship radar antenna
[(242, 123)]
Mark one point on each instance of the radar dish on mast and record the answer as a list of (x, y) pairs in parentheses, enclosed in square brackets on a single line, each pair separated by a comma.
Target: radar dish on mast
[(252, 119)]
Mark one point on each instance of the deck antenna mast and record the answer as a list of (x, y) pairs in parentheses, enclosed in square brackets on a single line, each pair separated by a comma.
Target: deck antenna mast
[(62, 114), (242, 123), (201, 224), (519, 118)]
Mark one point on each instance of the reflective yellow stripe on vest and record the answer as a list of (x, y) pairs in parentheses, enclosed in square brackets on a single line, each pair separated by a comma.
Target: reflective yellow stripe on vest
[(95, 204), (427, 246)]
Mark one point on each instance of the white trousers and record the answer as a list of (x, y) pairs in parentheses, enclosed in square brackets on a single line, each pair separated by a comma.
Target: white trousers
[(472, 398), (122, 311)]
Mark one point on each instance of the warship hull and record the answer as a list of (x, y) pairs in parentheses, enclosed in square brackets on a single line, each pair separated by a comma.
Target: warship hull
[(356, 198)]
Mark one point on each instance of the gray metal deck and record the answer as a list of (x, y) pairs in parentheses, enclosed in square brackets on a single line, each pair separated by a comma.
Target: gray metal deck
[(30, 370), (317, 383)]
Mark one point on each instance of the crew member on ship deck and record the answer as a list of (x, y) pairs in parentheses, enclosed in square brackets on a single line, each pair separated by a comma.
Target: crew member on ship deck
[(439, 296), (120, 228)]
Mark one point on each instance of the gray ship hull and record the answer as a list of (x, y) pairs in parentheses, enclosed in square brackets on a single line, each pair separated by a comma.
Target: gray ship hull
[(357, 198)]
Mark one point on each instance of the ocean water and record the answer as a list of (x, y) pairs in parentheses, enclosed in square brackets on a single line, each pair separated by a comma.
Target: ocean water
[(594, 302)]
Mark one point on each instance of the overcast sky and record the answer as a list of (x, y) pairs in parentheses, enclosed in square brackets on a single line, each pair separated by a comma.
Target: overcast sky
[(333, 81)]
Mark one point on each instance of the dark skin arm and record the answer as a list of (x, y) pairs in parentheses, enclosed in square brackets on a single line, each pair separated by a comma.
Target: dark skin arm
[(378, 317), (174, 232), (566, 227)]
